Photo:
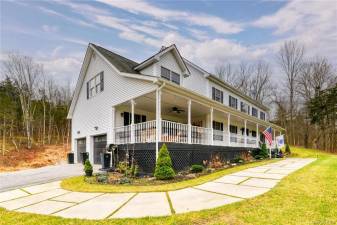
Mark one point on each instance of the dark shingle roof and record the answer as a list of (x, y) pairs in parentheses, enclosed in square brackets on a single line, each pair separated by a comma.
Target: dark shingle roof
[(121, 63)]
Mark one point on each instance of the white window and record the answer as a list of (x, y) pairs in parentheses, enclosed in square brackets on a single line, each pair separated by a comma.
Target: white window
[(254, 112), (95, 85), (262, 116), (245, 108)]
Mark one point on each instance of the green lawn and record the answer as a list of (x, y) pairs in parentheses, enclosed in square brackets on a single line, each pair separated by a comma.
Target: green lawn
[(308, 196), (78, 183)]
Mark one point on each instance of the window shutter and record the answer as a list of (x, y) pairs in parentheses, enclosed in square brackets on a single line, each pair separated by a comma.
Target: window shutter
[(87, 90), (213, 93), (102, 80), (221, 97)]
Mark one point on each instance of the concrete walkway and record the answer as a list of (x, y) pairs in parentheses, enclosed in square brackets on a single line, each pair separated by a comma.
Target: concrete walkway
[(51, 199), (12, 180)]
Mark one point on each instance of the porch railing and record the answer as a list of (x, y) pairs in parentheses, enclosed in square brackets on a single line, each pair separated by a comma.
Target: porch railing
[(200, 135), (178, 132), (145, 132), (174, 132), (123, 134)]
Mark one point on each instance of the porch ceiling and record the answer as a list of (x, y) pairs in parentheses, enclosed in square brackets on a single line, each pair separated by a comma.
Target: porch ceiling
[(168, 101)]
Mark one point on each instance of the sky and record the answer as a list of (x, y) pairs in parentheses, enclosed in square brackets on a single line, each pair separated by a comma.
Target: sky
[(208, 33)]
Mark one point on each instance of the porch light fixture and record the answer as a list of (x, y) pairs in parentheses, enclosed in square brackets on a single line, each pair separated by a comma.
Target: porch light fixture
[(78, 132), (96, 127)]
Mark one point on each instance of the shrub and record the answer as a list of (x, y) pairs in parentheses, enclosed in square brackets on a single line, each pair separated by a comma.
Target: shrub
[(238, 160), (264, 151), (164, 170), (122, 167), (88, 168), (287, 151), (134, 171), (124, 180), (216, 162), (102, 178), (197, 168)]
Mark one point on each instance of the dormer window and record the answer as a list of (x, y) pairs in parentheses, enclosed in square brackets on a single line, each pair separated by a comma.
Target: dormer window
[(170, 75)]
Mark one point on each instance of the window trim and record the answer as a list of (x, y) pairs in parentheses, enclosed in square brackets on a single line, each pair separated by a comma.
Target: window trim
[(95, 85), (170, 75), (235, 106), (217, 95)]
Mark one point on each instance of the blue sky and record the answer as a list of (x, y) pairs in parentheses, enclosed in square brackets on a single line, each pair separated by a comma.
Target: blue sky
[(209, 33)]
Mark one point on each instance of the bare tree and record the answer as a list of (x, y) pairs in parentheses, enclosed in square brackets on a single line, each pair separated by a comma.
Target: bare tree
[(290, 59), (23, 71), (226, 73), (260, 85)]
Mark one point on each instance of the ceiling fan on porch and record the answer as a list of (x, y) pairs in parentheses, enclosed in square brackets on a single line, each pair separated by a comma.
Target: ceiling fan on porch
[(177, 110)]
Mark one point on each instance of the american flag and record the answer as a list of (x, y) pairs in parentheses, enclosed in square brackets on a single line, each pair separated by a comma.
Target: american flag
[(268, 135)]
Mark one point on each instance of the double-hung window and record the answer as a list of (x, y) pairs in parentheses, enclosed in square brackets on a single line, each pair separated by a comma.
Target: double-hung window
[(95, 85), (217, 95), (233, 102), (254, 112), (262, 116), (170, 75)]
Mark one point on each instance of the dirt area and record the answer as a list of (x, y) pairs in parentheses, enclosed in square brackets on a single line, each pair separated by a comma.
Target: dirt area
[(34, 158)]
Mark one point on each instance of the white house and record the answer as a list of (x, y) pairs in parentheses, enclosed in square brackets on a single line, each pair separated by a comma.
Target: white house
[(165, 98)]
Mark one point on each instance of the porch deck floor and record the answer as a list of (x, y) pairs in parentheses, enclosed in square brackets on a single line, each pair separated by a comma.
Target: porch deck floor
[(225, 190)]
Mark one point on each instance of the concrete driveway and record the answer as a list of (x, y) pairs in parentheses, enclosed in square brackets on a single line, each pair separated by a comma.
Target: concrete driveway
[(12, 180)]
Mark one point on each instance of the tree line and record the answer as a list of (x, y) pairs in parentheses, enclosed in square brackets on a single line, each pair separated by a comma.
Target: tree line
[(303, 99), (33, 107)]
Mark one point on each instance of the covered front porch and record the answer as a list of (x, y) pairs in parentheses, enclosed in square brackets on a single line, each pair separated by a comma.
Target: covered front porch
[(166, 116)]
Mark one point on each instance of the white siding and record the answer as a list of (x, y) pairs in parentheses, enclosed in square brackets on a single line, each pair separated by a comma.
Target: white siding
[(196, 81), (148, 70), (97, 111), (168, 61)]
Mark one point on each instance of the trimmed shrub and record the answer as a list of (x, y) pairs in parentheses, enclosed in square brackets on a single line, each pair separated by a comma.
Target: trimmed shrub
[(88, 168), (287, 151), (164, 170), (197, 168)]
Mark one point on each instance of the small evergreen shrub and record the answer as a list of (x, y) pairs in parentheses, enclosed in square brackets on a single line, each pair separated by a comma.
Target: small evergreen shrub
[(287, 151), (88, 168), (197, 168), (164, 170), (264, 151)]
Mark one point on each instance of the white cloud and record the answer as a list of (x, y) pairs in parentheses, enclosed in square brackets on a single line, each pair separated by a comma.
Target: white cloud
[(50, 28), (141, 7), (311, 23)]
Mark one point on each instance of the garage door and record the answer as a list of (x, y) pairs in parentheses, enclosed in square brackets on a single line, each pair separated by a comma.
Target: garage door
[(99, 147), (81, 147)]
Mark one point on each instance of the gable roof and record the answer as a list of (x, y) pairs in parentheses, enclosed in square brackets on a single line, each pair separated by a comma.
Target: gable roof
[(155, 58), (121, 63)]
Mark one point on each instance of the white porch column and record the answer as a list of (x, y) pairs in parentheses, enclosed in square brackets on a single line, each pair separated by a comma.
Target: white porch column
[(132, 121), (257, 135), (228, 129), (189, 126), (211, 125), (245, 134), (158, 120), (113, 125)]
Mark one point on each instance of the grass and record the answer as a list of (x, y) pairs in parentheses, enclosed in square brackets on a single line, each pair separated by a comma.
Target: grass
[(78, 183), (307, 196)]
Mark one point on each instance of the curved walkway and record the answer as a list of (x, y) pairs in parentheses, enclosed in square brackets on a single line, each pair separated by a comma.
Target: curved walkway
[(51, 199)]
